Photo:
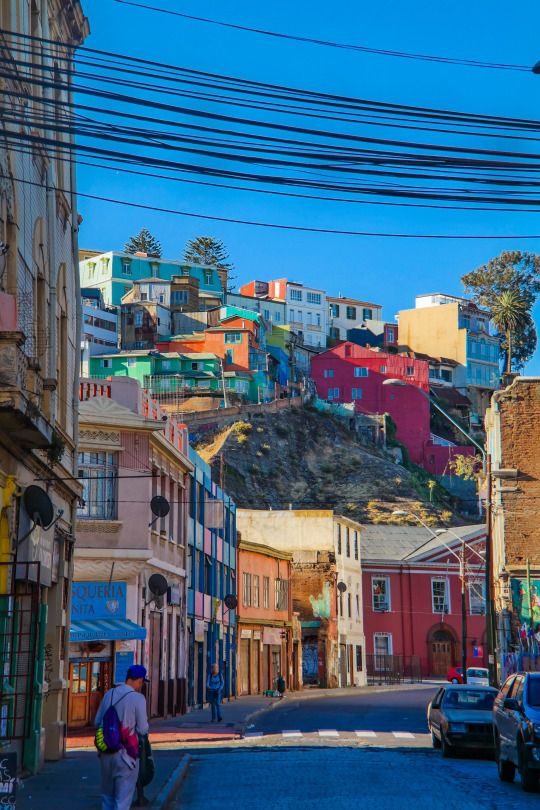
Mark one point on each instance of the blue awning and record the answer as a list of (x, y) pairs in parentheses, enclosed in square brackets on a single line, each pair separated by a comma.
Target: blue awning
[(106, 630)]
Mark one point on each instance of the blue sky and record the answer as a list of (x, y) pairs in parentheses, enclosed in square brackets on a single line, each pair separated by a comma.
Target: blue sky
[(389, 271)]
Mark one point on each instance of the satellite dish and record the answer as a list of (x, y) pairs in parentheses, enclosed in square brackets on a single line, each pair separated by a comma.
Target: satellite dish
[(341, 587), (38, 506), (231, 601), (160, 506), (157, 584)]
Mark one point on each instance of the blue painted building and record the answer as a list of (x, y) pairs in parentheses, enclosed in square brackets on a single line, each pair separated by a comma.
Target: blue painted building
[(211, 576)]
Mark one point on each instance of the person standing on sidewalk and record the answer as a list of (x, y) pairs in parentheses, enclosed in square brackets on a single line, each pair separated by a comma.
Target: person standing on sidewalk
[(214, 692), (120, 769)]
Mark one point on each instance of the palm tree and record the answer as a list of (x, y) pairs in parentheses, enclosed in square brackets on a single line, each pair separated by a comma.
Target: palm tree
[(509, 314)]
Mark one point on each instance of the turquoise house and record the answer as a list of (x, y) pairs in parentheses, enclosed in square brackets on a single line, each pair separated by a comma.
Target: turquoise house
[(113, 273)]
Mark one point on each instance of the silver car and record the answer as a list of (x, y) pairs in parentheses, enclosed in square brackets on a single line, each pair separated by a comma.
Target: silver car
[(461, 716), (516, 717)]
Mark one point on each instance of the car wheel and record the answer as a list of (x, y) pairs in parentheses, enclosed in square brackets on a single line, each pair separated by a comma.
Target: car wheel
[(446, 748), (436, 743), (506, 769), (529, 779), (455, 680)]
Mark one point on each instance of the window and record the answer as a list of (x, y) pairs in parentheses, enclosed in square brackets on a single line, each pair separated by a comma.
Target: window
[(380, 593), (126, 267), (382, 369), (131, 361), (477, 602), (246, 589), (165, 365), (98, 473), (281, 594), (340, 603), (358, 658), (349, 604), (309, 317), (295, 295), (333, 393), (255, 591), (266, 592), (355, 545), (439, 595), (360, 371), (367, 314), (208, 276), (446, 375), (328, 372), (390, 334), (351, 313), (382, 644), (229, 357), (334, 310), (347, 541), (266, 314), (357, 607), (313, 298), (233, 337), (409, 371), (138, 318), (179, 297), (291, 314), (277, 317), (318, 318), (106, 364), (339, 538), (357, 393)]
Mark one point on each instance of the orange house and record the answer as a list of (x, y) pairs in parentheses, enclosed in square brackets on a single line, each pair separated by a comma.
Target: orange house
[(266, 644)]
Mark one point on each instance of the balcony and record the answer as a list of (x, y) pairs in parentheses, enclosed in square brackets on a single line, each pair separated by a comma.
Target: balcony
[(20, 396)]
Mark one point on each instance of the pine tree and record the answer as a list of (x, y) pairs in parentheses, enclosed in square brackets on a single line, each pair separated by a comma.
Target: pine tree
[(143, 242), (209, 251)]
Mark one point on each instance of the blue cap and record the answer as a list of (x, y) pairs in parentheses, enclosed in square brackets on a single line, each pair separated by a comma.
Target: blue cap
[(136, 671)]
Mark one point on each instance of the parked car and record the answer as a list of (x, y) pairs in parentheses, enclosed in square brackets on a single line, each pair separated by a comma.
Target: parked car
[(516, 720), (461, 716), (477, 676), (455, 675)]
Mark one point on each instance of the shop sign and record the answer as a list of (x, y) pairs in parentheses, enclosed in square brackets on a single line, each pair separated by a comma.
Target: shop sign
[(245, 633), (122, 662), (199, 629), (257, 635), (98, 600), (35, 546), (272, 635)]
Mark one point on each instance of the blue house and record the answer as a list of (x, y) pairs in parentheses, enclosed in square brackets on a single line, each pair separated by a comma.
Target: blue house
[(211, 573)]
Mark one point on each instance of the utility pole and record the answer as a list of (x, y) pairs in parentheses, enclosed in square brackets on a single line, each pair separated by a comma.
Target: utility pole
[(490, 630), (463, 615)]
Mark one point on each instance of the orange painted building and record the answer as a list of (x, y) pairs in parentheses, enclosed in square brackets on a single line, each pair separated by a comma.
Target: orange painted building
[(267, 645)]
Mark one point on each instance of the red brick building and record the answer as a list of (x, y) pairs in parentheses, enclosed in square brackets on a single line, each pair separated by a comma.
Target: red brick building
[(412, 597), (267, 645)]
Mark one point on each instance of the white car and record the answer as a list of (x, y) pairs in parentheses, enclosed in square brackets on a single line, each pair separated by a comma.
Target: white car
[(477, 676)]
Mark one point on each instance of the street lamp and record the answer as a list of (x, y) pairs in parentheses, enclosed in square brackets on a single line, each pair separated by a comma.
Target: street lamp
[(402, 384), (461, 559)]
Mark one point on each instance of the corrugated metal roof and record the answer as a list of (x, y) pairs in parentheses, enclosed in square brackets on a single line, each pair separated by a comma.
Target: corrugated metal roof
[(396, 542)]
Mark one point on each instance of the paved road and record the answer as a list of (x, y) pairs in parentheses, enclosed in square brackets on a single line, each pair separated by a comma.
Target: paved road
[(367, 716), (339, 778)]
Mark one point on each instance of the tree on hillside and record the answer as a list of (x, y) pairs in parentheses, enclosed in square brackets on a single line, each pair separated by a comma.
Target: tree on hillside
[(514, 272), (143, 242), (210, 251), (509, 314)]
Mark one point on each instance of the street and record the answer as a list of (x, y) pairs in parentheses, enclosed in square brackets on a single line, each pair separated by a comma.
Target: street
[(350, 749)]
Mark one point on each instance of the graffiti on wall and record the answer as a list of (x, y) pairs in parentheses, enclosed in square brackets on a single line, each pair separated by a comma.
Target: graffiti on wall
[(321, 603), (521, 600)]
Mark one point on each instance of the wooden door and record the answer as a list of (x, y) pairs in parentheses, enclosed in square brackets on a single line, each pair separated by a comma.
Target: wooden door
[(266, 676), (244, 665), (100, 682), (441, 657), (254, 685), (79, 693)]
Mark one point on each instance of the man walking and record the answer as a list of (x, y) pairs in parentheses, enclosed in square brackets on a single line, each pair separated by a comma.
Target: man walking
[(214, 691), (120, 769)]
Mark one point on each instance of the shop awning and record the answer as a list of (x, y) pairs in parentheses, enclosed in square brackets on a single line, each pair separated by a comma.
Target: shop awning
[(106, 630)]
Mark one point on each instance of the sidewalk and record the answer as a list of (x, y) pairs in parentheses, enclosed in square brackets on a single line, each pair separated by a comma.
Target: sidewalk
[(74, 782)]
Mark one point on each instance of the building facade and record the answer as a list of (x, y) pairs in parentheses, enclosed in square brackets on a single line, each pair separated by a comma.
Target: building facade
[(40, 318), (457, 329), (349, 313), (266, 648), (512, 443), (99, 328), (326, 587), (412, 599), (211, 572), (129, 459)]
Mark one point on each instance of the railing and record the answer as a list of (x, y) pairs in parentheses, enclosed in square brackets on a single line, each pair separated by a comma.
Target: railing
[(392, 669)]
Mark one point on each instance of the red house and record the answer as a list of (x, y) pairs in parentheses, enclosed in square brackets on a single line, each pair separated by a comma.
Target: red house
[(412, 597), (351, 373)]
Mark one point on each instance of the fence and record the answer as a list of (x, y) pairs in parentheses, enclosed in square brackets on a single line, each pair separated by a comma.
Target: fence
[(391, 669)]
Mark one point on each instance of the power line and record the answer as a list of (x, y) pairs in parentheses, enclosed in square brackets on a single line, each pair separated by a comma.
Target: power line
[(328, 43)]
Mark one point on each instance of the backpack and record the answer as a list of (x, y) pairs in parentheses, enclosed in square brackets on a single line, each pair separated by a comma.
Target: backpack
[(108, 739)]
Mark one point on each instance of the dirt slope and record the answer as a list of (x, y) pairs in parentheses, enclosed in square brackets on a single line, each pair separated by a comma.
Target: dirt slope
[(305, 459)]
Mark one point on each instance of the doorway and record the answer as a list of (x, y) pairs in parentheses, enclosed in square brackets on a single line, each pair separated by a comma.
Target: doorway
[(441, 652), (88, 682), (155, 662)]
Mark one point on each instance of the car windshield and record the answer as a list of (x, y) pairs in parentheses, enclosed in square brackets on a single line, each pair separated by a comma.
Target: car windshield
[(533, 697), (477, 673), (471, 699)]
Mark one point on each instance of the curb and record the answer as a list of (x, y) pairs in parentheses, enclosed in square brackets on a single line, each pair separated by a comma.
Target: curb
[(250, 717), (166, 794)]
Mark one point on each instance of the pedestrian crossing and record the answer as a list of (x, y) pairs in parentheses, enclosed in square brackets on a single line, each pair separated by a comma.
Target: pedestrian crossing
[(366, 735)]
